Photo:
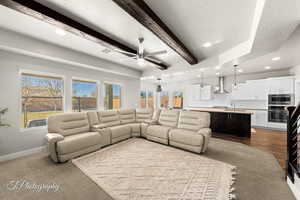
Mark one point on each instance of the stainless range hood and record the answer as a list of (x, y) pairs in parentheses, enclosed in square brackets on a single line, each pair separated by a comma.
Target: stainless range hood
[(221, 89)]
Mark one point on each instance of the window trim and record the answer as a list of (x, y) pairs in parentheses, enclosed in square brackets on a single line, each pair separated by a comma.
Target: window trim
[(37, 73), (99, 92), (174, 96), (113, 83)]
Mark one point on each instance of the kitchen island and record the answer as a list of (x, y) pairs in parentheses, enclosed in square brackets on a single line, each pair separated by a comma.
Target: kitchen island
[(228, 120)]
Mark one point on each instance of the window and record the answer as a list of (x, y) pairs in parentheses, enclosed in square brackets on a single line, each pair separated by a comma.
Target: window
[(41, 97), (143, 99), (84, 95), (178, 99), (112, 99), (164, 99), (150, 99)]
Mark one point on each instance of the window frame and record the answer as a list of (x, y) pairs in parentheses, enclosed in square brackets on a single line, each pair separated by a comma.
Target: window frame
[(182, 92), (98, 84), (38, 73), (104, 93), (168, 92)]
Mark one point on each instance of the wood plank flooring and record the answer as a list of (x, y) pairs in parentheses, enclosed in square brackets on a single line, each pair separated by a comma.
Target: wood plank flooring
[(267, 140)]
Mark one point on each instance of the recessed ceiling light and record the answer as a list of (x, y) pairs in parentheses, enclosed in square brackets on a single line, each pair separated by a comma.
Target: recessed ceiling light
[(207, 44), (60, 32), (240, 70), (218, 73), (218, 67), (276, 58), (267, 67)]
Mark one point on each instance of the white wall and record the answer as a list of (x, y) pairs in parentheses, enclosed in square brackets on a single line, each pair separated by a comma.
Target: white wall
[(12, 139)]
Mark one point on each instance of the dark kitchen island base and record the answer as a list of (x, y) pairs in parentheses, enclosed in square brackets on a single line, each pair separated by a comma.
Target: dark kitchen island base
[(231, 123)]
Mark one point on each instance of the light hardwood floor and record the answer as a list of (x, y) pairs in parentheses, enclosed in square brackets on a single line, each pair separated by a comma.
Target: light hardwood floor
[(267, 140)]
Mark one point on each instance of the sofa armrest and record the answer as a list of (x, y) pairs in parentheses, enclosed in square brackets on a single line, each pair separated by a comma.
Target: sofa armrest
[(206, 133), (151, 122), (52, 139)]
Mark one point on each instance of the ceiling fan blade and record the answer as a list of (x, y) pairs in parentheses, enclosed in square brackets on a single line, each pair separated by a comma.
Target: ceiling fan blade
[(124, 52), (129, 58), (157, 53), (153, 60)]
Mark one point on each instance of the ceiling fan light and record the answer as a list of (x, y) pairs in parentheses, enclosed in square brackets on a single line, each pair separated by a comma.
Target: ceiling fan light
[(141, 61)]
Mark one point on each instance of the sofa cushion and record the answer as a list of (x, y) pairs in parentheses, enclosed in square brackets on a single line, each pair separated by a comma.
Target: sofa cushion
[(135, 127), (143, 114), (158, 131), (68, 123), (127, 116), (78, 142), (186, 137), (169, 118), (93, 118), (121, 130), (108, 118), (193, 120)]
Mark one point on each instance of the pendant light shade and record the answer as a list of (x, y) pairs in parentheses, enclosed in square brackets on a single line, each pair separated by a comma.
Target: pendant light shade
[(235, 85), (159, 89)]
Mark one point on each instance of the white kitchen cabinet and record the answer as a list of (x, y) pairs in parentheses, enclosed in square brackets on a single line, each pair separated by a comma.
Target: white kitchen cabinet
[(281, 85), (194, 91), (242, 92), (261, 118), (258, 89), (206, 92), (199, 94)]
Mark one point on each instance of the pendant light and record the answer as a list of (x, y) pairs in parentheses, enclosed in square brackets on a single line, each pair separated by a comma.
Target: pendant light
[(235, 84), (159, 89), (201, 81)]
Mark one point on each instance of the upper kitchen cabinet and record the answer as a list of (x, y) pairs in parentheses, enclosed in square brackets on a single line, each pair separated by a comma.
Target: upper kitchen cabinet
[(206, 92), (251, 90), (281, 85), (199, 94), (260, 89)]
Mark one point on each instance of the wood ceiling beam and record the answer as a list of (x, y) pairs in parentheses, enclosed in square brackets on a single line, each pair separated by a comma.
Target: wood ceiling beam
[(50, 16), (139, 10)]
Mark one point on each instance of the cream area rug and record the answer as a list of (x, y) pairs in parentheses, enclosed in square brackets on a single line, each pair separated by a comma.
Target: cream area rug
[(137, 169)]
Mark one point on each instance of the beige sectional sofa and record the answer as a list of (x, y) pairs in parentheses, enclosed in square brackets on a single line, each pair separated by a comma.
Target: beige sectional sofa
[(74, 134)]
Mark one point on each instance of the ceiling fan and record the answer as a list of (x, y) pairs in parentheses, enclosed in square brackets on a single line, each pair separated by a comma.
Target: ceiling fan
[(141, 57)]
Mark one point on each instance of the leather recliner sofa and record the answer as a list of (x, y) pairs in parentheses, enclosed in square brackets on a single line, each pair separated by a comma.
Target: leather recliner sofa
[(74, 134)]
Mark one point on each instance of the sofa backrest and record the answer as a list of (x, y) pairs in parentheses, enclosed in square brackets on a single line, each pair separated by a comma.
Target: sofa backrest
[(193, 120), (168, 118), (143, 114), (108, 118), (93, 118), (68, 123), (127, 116)]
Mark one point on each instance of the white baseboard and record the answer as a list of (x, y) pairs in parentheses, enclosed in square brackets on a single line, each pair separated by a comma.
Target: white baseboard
[(22, 153), (294, 189)]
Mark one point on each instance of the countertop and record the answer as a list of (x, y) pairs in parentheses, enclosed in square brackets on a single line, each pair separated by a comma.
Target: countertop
[(223, 110)]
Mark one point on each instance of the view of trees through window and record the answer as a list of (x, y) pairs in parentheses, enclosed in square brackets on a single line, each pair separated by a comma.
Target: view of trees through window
[(84, 95), (164, 99), (112, 99), (143, 99), (150, 99), (178, 99), (41, 97)]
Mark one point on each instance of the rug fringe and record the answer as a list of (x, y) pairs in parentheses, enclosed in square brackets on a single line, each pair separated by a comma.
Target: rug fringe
[(232, 195)]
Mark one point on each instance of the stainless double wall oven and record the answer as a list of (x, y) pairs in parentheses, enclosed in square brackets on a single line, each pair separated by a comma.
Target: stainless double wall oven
[(276, 107)]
